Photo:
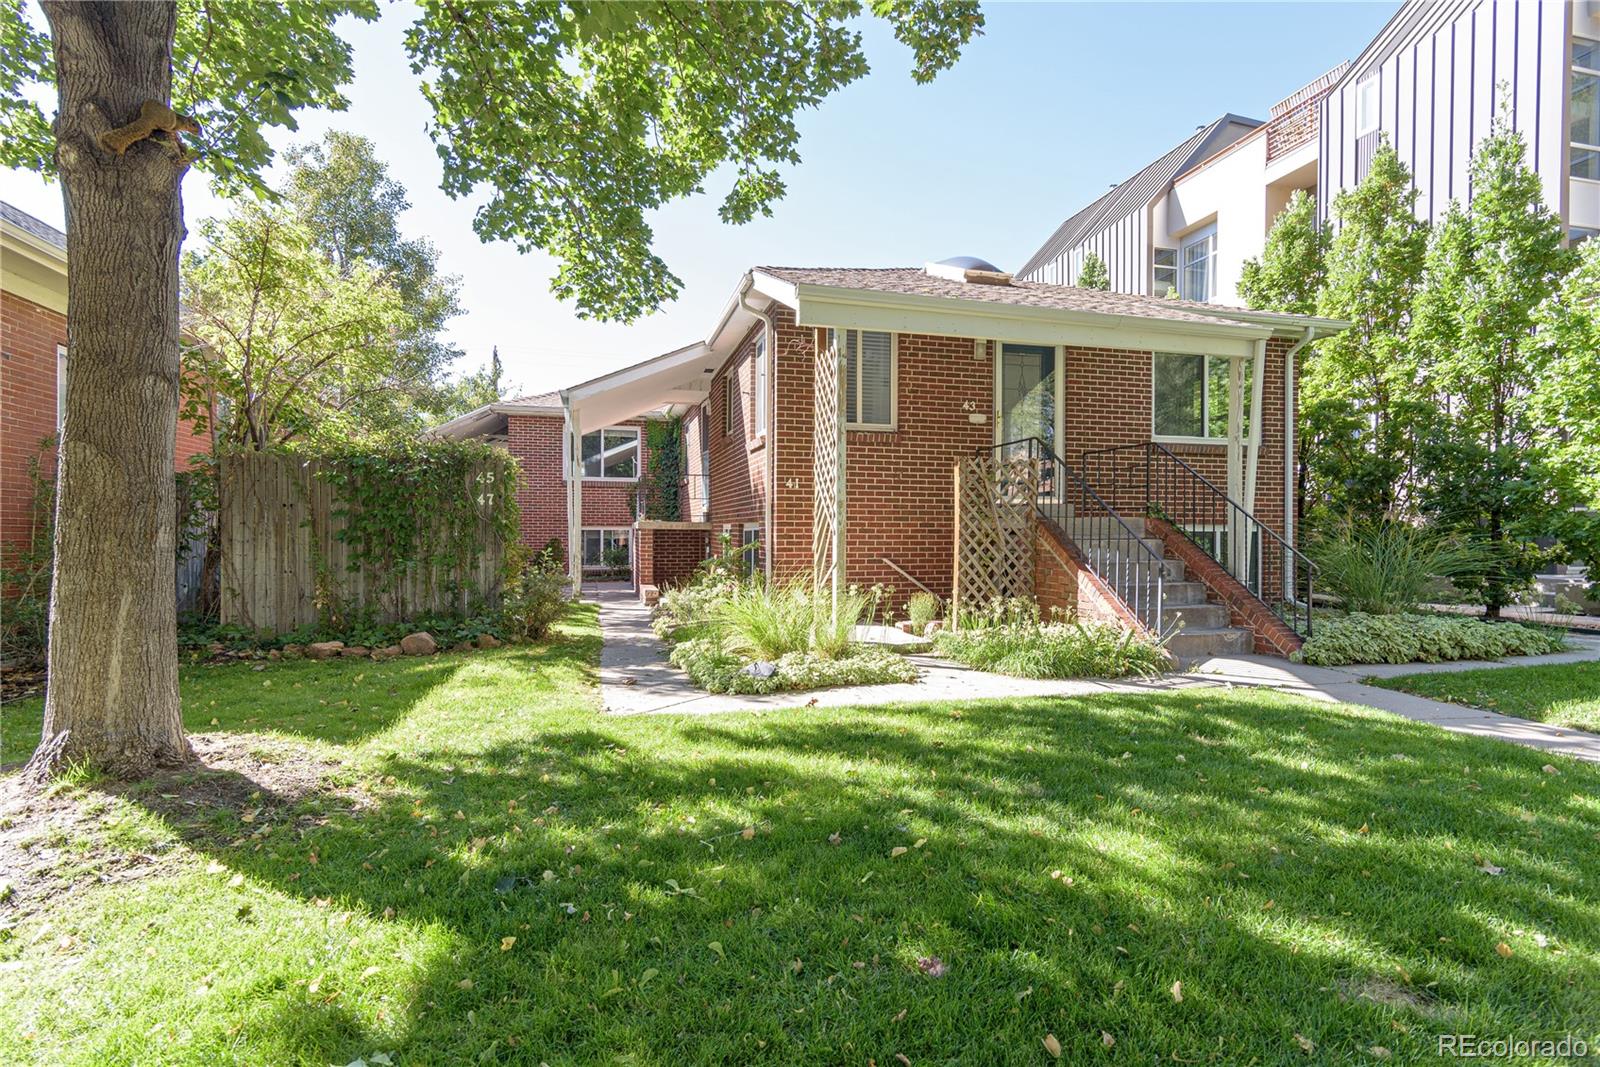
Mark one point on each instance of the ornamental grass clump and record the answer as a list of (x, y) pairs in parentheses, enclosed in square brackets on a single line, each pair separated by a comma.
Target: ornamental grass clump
[(922, 609), (1386, 568), (1007, 637), (1364, 638)]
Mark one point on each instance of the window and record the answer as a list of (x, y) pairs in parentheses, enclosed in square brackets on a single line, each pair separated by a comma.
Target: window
[(761, 386), (869, 379), (1199, 256), (612, 454), (750, 548), (1367, 106), (1191, 396), (1164, 274), (1213, 540), (607, 549), (1585, 130), (61, 387)]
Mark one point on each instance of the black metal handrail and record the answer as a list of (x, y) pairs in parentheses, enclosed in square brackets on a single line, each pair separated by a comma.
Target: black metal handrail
[(1166, 486), (1115, 552)]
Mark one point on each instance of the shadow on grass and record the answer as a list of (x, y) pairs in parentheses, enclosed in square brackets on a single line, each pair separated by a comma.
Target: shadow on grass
[(1300, 870)]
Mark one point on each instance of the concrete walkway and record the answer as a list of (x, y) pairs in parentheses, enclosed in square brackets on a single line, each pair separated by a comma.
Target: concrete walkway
[(637, 679)]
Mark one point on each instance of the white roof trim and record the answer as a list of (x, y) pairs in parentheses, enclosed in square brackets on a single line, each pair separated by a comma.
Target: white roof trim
[(682, 376)]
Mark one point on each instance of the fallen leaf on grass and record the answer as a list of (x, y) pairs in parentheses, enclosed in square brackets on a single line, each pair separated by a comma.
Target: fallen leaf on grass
[(1488, 868), (748, 832), (370, 971), (1504, 949), (1379, 1052), (834, 838), (901, 1056), (1107, 1040), (506, 943), (932, 966), (1177, 992), (1052, 1046), (649, 973), (898, 850), (1306, 1044), (716, 946)]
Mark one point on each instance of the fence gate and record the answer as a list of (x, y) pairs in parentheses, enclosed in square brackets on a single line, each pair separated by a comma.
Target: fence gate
[(994, 530)]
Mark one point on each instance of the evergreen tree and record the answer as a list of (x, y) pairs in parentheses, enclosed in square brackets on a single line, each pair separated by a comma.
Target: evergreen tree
[(1486, 473), (1365, 377), (1094, 274), (1293, 265)]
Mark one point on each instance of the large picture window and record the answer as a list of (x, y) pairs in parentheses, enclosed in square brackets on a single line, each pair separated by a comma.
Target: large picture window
[(1191, 396), (1199, 256), (612, 454), (1585, 129), (869, 378), (606, 549)]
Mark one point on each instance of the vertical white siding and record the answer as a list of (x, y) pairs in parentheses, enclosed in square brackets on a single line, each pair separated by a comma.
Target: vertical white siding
[(1442, 87)]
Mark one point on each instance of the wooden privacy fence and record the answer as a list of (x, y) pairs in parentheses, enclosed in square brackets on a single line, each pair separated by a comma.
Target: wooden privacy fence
[(284, 563), (994, 530)]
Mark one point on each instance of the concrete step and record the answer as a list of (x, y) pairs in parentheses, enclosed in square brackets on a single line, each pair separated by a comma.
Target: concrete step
[(1118, 543), (1203, 616), (1098, 526), (1191, 645), (1177, 592)]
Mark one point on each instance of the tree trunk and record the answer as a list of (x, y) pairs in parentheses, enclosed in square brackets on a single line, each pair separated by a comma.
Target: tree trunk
[(112, 699)]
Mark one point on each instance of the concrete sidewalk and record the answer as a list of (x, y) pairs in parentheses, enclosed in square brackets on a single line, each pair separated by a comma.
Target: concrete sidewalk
[(637, 679)]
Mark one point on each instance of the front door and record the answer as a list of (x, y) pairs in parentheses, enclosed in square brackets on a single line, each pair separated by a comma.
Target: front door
[(1028, 399)]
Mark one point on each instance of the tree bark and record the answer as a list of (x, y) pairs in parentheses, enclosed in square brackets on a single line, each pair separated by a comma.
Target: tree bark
[(112, 697)]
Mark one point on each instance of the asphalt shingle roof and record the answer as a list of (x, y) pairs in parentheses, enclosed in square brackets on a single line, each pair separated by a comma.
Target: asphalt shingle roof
[(38, 228), (918, 282)]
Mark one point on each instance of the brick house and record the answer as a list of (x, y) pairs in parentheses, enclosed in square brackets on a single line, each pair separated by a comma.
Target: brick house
[(827, 415), (614, 460), (33, 364)]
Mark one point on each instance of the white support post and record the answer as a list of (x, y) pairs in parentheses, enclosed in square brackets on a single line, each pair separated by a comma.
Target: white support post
[(1235, 463), (839, 495), (1253, 467), (574, 461)]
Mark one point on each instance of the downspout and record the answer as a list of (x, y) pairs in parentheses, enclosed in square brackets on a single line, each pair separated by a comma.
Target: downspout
[(769, 448), (1289, 382)]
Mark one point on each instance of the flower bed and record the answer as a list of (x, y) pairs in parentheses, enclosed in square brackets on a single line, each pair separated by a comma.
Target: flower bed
[(1054, 650), (735, 635)]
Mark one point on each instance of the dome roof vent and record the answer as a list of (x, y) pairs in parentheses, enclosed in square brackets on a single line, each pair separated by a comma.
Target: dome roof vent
[(968, 269)]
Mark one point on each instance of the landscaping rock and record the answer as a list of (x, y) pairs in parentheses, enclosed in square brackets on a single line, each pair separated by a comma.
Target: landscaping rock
[(488, 641), (387, 653), (324, 649), (294, 650), (420, 643), (934, 627), (355, 650), (760, 669), (463, 646)]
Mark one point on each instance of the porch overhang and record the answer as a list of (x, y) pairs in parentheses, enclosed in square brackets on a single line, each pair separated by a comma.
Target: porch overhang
[(673, 381)]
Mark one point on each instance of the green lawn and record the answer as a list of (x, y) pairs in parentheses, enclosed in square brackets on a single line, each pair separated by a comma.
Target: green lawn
[(761, 888), (1566, 694)]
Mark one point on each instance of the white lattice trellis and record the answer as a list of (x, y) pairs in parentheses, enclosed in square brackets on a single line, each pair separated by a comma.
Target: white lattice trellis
[(994, 530), (828, 507)]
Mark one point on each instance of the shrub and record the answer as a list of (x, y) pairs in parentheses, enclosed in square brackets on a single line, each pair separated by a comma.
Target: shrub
[(831, 624), (1382, 568), (765, 621), (688, 611), (1054, 650), (1365, 638), (922, 609), (535, 595), (711, 666)]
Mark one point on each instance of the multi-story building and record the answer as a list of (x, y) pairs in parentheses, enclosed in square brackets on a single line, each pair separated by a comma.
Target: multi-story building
[(1430, 83)]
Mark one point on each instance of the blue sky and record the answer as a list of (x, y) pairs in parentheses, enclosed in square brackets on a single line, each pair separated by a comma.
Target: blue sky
[(1053, 104)]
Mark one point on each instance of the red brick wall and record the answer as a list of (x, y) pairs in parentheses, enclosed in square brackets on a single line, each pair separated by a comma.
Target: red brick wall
[(29, 334), (739, 458), (666, 554), (1062, 580), (535, 441)]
